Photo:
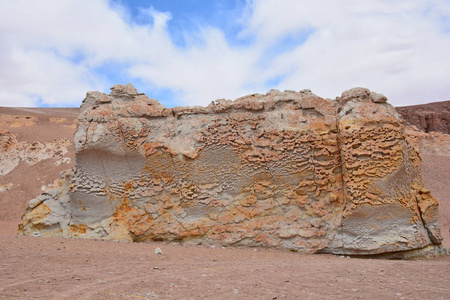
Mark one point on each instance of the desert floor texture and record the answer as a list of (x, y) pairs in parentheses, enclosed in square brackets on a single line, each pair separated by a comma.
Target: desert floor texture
[(46, 268)]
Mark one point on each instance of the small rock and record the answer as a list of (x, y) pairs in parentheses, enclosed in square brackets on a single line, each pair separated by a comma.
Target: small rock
[(151, 295), (158, 251), (305, 91), (5, 187), (36, 233), (378, 98)]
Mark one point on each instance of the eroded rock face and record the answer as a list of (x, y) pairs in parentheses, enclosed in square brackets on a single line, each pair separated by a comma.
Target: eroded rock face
[(429, 143), (12, 152), (285, 169), (431, 117)]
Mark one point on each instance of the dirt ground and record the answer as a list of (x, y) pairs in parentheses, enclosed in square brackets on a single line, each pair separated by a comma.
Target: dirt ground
[(47, 268)]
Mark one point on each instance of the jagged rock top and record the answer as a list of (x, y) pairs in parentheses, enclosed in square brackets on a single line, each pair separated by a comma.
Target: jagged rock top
[(126, 101)]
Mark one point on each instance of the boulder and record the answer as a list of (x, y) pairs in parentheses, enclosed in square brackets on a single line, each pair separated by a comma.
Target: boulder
[(285, 170)]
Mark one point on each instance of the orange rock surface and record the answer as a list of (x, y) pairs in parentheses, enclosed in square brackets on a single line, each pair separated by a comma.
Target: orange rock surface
[(285, 169)]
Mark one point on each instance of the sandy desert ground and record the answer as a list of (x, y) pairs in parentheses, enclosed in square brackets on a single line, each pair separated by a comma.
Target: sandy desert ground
[(44, 268)]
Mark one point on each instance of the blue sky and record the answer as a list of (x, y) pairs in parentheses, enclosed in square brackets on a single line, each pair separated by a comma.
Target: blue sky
[(190, 15), (191, 52)]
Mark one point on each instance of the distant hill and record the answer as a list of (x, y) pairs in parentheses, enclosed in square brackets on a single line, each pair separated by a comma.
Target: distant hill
[(428, 117)]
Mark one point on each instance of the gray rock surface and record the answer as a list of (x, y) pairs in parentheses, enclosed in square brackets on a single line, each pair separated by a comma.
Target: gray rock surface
[(285, 170)]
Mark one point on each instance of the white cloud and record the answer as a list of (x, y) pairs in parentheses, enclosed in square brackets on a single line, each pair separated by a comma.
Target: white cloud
[(54, 54), (57, 50), (202, 74), (40, 41), (395, 47)]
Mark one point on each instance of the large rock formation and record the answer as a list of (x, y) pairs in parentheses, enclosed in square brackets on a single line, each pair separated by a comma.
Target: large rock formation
[(285, 169), (431, 117)]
